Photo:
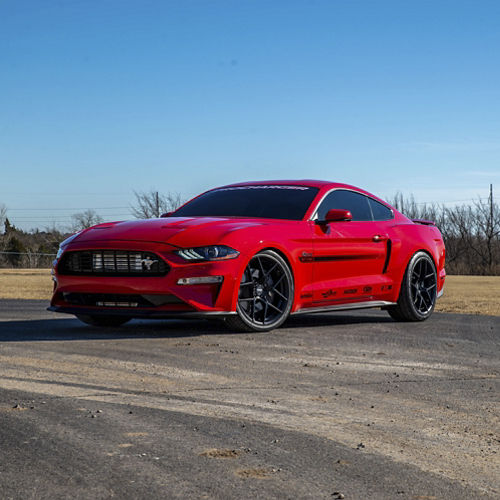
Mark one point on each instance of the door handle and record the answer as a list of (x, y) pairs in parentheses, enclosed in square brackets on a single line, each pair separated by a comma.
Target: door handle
[(378, 238)]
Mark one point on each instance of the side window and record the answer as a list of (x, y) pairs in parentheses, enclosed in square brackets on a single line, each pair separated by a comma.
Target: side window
[(356, 203), (379, 211)]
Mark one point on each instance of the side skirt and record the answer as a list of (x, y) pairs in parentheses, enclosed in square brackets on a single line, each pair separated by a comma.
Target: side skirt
[(346, 307)]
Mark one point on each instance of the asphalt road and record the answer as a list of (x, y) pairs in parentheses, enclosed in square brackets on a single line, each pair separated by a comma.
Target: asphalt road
[(330, 405)]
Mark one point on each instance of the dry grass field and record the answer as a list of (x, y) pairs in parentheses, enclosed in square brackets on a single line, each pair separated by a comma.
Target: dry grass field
[(25, 284), (471, 295), (462, 294)]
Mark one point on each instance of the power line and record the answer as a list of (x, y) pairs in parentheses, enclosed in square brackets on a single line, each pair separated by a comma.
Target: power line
[(28, 253), (410, 196), (24, 217), (81, 208)]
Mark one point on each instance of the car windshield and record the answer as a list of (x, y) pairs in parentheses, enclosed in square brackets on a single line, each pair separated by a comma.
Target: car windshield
[(268, 201)]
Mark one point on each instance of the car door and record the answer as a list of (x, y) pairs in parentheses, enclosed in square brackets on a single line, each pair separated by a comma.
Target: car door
[(348, 256)]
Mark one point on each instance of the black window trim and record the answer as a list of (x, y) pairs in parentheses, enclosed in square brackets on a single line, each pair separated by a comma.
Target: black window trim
[(314, 216)]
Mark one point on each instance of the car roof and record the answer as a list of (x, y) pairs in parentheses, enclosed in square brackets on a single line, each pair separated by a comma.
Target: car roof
[(296, 182), (323, 185), (320, 184)]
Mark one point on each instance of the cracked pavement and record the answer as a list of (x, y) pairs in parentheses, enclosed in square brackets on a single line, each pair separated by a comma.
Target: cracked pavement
[(347, 403)]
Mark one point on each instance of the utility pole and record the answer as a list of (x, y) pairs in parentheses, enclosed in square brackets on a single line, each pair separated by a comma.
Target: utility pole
[(491, 204), (157, 203)]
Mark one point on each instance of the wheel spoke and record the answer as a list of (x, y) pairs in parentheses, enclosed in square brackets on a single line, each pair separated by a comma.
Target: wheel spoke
[(271, 270), (422, 302), (280, 279), (428, 301), (261, 266), (266, 307), (274, 307), (416, 270), (423, 270), (273, 289)]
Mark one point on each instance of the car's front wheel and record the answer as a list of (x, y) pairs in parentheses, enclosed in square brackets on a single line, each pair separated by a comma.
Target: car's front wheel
[(265, 294), (98, 320), (418, 293)]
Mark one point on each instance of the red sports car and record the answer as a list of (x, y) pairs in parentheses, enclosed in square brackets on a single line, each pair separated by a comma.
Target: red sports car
[(253, 254)]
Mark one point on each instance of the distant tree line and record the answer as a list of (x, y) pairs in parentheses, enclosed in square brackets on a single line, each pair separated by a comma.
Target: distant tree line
[(28, 249), (471, 231), (37, 249)]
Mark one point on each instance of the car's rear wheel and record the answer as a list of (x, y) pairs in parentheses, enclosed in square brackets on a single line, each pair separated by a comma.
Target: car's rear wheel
[(418, 293), (265, 294), (98, 320)]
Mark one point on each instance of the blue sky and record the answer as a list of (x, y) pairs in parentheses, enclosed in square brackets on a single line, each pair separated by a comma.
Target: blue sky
[(98, 98)]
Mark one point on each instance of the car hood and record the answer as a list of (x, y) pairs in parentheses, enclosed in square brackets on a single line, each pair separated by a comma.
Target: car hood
[(177, 231)]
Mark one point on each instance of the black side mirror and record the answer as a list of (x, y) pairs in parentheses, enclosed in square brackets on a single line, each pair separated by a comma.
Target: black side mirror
[(166, 214)]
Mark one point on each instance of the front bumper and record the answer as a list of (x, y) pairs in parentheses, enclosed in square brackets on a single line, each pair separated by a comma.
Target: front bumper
[(441, 280), (200, 300)]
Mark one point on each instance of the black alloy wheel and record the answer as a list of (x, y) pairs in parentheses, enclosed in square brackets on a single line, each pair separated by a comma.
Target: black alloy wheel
[(265, 295), (418, 293), (98, 320)]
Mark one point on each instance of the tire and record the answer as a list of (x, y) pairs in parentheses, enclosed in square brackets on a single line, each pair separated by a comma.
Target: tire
[(265, 295), (417, 297), (102, 320)]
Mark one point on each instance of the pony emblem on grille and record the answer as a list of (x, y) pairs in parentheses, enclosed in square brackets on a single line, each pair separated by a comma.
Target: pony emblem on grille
[(148, 262)]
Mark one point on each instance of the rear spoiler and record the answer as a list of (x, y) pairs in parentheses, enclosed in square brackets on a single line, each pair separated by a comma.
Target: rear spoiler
[(424, 222)]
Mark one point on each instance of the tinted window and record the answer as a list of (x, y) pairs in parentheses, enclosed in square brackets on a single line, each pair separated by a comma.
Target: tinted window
[(270, 202), (379, 211), (356, 203)]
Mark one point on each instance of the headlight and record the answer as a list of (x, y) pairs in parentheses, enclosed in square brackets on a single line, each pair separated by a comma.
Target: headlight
[(63, 245), (212, 252)]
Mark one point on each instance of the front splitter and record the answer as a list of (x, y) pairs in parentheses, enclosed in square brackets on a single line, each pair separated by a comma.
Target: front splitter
[(143, 314)]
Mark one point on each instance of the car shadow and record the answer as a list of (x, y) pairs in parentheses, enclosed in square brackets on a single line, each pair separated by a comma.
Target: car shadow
[(336, 319), (72, 329)]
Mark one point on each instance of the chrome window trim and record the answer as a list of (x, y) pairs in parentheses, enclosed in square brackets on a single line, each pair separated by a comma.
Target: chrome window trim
[(314, 215)]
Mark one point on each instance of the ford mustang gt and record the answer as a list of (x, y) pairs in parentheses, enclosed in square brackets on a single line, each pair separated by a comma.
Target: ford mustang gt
[(253, 254)]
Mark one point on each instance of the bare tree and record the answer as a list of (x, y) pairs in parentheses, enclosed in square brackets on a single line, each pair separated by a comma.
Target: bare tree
[(407, 206), (486, 227), (471, 232), (460, 247), (149, 204), (82, 220)]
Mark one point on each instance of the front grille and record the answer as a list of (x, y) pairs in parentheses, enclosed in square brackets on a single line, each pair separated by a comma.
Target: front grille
[(112, 263)]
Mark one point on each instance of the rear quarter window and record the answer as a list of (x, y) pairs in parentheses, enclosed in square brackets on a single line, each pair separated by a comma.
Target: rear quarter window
[(380, 211)]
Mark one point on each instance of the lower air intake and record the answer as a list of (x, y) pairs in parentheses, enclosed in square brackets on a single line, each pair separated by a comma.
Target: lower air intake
[(119, 300)]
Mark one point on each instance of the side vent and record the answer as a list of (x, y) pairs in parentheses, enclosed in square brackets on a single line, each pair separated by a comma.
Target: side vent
[(387, 256)]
